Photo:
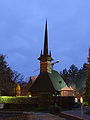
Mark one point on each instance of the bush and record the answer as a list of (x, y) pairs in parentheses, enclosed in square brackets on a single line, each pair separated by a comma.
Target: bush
[(54, 109), (10, 99)]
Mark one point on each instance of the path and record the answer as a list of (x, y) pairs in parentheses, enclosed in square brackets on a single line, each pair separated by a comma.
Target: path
[(28, 116), (79, 113)]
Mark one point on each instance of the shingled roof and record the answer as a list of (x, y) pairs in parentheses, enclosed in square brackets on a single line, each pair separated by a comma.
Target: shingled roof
[(48, 82)]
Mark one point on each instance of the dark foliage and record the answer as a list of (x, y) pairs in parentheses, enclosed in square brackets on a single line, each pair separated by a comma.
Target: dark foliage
[(8, 77), (75, 77)]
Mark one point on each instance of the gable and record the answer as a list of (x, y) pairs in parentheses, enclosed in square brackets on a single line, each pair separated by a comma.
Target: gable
[(48, 82), (42, 83)]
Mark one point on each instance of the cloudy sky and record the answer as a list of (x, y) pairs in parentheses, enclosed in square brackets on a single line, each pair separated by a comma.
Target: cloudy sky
[(22, 24)]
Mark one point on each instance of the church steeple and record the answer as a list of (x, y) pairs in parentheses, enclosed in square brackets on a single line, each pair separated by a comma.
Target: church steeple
[(45, 57), (45, 52)]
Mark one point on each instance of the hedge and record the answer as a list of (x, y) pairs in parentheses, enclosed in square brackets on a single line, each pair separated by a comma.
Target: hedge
[(10, 99)]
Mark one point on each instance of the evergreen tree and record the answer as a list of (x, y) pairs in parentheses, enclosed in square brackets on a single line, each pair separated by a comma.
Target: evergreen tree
[(75, 77), (81, 79), (65, 76), (7, 78), (73, 72)]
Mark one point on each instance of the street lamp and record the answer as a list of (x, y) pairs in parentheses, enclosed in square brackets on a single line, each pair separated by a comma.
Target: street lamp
[(81, 100), (55, 63)]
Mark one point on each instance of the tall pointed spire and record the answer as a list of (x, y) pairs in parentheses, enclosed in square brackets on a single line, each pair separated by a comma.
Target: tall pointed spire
[(45, 52), (45, 56)]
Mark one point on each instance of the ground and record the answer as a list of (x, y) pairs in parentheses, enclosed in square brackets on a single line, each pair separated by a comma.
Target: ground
[(29, 116)]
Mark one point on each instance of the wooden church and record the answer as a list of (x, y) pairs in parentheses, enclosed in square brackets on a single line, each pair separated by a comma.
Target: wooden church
[(48, 81)]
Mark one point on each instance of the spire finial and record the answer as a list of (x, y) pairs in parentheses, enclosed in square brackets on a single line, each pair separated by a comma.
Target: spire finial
[(46, 40)]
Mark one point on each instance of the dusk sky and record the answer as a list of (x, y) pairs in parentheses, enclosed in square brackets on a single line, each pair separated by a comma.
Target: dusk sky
[(22, 24)]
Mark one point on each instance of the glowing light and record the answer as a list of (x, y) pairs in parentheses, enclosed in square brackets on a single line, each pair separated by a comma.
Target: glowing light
[(30, 96), (81, 100)]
